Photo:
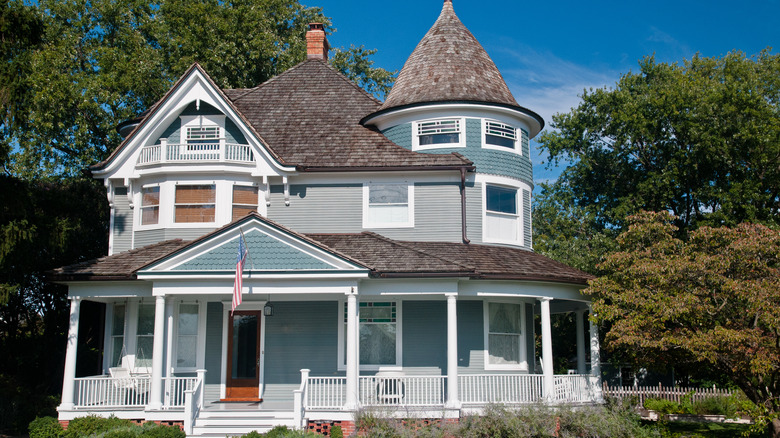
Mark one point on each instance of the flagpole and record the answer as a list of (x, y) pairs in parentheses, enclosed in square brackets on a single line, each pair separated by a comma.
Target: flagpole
[(248, 253)]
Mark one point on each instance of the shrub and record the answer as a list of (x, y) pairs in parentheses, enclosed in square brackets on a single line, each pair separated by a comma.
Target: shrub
[(663, 406), (152, 430), (93, 425), (253, 434), (45, 427), (335, 432)]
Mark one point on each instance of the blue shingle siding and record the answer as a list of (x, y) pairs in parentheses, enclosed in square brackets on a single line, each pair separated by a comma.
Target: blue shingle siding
[(266, 253), (527, 219), (526, 147), (301, 335), (425, 334), (400, 135), (488, 161), (173, 131)]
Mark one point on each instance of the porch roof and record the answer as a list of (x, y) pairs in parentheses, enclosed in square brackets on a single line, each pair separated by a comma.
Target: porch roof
[(384, 257)]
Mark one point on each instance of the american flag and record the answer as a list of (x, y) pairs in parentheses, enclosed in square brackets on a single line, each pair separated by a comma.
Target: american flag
[(238, 285)]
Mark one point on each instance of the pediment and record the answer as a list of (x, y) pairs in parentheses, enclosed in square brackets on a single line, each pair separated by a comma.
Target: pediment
[(272, 249)]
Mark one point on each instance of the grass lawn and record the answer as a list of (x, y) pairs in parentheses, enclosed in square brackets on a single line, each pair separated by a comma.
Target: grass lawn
[(685, 429)]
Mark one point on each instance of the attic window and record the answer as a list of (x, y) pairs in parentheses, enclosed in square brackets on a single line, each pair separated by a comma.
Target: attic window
[(500, 134), (438, 133), (202, 133)]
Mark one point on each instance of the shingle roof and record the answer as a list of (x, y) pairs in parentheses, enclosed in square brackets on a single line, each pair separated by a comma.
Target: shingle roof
[(449, 64), (120, 266), (383, 256), (309, 115)]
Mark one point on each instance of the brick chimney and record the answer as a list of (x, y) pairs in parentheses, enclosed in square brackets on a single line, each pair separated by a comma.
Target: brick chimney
[(316, 44)]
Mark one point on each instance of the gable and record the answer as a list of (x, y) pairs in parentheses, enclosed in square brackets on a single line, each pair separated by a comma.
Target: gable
[(194, 90), (272, 249)]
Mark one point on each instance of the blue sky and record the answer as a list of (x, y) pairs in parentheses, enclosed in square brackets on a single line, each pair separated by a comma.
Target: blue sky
[(548, 52)]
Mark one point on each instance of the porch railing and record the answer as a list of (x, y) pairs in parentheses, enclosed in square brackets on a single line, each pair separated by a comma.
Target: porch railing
[(573, 388), (198, 152), (500, 388), (193, 402), (112, 392), (401, 390), (325, 392), (97, 392)]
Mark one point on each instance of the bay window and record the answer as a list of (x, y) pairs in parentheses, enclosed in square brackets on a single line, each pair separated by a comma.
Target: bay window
[(195, 203), (244, 200), (150, 205)]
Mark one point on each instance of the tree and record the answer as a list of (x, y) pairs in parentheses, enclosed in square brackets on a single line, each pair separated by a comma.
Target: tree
[(700, 139), (710, 300), (102, 62)]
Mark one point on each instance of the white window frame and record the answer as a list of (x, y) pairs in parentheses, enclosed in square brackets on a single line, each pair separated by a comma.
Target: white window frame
[(159, 207), (195, 183), (342, 335), (517, 217), (200, 337), (523, 362), (201, 121), (517, 148), (461, 130), (409, 223)]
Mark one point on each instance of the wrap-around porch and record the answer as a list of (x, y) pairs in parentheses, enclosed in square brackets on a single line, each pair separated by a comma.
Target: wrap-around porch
[(158, 392)]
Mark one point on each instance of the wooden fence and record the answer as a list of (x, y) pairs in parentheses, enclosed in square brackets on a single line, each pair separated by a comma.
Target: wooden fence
[(673, 393)]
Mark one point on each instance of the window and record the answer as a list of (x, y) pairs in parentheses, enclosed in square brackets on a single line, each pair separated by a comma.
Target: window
[(117, 335), (150, 205), (388, 205), (187, 336), (501, 135), (244, 200), (195, 203), (378, 333), (144, 345), (202, 138), (502, 221), (438, 133), (505, 342)]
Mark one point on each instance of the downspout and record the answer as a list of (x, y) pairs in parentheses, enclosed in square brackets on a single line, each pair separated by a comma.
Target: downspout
[(463, 204)]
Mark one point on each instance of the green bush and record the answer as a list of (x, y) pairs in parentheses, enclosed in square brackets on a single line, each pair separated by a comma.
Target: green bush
[(152, 430), (663, 406), (336, 432), (45, 427), (94, 425)]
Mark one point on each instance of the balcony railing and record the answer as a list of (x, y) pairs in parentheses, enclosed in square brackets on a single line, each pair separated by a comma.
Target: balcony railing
[(196, 153), (97, 392)]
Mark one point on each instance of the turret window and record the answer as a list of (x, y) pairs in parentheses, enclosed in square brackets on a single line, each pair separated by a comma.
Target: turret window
[(502, 218), (500, 136), (438, 133)]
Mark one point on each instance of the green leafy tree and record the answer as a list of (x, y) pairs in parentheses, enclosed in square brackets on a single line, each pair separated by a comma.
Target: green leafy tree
[(711, 300), (101, 62), (700, 139)]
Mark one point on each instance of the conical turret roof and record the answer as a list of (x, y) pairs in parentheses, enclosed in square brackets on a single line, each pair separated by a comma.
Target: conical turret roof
[(449, 64)]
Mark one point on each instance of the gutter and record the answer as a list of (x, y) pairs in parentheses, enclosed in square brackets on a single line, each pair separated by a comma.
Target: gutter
[(463, 205), (462, 168)]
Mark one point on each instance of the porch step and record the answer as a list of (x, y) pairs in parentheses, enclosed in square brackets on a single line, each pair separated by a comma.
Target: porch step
[(225, 423)]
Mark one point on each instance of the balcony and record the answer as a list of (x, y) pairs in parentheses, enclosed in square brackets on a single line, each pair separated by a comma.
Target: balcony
[(218, 152)]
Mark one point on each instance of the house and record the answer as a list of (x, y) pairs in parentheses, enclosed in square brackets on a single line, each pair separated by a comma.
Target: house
[(389, 256)]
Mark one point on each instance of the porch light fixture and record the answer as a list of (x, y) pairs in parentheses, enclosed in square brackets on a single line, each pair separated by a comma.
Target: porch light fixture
[(268, 310)]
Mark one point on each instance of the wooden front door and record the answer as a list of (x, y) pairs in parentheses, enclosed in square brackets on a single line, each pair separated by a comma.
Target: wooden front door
[(243, 369)]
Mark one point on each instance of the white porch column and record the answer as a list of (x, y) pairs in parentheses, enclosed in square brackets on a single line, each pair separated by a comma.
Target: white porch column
[(352, 351), (453, 401), (69, 379), (547, 356), (580, 342), (595, 357), (155, 393)]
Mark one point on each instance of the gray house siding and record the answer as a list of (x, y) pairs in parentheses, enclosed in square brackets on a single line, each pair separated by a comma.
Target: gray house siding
[(527, 219), (425, 337), (338, 208), (471, 338), (213, 350), (122, 230), (474, 212), (148, 237), (300, 335)]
